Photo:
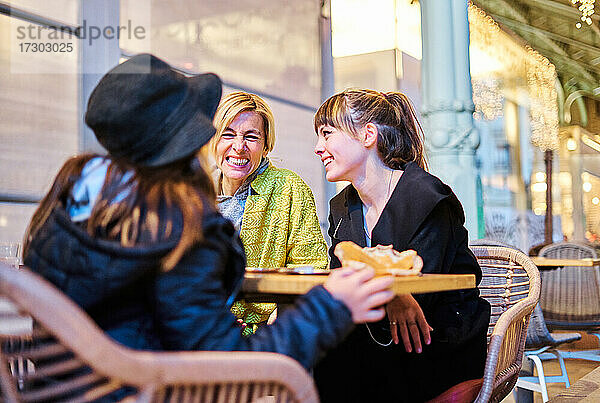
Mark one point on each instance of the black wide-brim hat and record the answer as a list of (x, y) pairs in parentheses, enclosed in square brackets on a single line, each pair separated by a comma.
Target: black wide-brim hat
[(145, 112)]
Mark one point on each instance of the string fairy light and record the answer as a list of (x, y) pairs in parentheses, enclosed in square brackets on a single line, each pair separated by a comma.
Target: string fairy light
[(522, 68), (487, 98), (587, 10)]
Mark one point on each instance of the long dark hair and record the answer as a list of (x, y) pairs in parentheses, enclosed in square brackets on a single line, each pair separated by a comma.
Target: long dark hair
[(400, 138), (182, 187)]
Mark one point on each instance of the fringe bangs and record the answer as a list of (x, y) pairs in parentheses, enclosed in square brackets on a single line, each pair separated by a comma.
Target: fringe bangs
[(335, 113)]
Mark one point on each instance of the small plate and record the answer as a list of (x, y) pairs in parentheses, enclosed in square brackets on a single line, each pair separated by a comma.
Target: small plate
[(303, 270), (262, 270)]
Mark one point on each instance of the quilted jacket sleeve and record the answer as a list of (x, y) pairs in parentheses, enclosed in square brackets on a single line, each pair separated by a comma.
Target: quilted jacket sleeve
[(194, 300)]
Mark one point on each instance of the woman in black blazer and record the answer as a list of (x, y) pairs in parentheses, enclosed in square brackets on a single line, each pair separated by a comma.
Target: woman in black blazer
[(426, 343)]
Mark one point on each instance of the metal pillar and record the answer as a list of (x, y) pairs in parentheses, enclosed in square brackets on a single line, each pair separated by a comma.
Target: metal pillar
[(327, 90), (97, 56), (447, 101), (575, 164), (548, 218)]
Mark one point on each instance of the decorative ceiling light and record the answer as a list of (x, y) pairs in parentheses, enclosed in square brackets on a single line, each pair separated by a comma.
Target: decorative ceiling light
[(522, 69), (587, 10), (543, 107), (487, 98), (540, 177)]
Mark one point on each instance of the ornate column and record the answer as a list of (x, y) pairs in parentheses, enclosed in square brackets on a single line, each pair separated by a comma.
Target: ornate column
[(447, 101)]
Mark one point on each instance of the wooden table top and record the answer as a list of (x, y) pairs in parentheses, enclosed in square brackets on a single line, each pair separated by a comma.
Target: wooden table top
[(548, 262), (298, 284)]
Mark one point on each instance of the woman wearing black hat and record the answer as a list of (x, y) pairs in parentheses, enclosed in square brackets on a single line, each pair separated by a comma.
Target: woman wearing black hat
[(135, 239)]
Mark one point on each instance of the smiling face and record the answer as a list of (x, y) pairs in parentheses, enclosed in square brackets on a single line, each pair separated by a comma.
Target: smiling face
[(240, 149), (342, 154)]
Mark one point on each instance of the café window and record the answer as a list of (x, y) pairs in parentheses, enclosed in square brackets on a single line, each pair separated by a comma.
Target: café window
[(39, 118)]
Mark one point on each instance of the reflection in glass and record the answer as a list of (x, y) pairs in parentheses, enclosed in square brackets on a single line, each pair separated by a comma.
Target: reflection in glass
[(66, 11), (271, 47), (39, 117)]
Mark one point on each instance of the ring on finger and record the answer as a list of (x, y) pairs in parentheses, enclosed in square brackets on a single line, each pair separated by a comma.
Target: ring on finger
[(393, 323)]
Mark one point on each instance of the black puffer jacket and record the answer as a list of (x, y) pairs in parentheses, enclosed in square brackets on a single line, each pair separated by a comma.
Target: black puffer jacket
[(186, 308)]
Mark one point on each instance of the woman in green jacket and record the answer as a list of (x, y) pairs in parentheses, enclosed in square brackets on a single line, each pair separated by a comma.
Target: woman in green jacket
[(273, 208)]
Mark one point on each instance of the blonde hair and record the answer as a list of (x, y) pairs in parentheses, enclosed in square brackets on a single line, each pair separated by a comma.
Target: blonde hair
[(237, 102), (400, 136)]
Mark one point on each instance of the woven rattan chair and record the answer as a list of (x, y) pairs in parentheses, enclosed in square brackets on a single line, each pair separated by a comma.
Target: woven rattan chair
[(489, 242), (570, 297), (540, 345), (511, 283), (72, 359)]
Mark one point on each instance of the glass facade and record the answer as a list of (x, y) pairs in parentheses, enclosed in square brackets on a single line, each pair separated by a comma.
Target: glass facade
[(274, 49), (39, 120), (65, 11), (268, 48)]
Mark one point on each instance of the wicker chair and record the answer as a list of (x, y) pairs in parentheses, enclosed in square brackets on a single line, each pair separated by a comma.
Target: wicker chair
[(540, 345), (75, 361), (570, 297), (490, 242), (511, 283)]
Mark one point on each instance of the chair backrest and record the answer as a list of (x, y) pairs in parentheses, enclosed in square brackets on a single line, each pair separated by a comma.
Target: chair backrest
[(67, 357), (570, 296), (538, 334), (490, 242), (511, 284)]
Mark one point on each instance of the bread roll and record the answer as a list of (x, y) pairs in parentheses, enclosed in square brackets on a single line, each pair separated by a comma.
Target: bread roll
[(384, 259)]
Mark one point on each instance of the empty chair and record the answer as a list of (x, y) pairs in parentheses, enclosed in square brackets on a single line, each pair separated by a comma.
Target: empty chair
[(539, 341), (570, 297), (75, 361), (540, 345), (511, 284)]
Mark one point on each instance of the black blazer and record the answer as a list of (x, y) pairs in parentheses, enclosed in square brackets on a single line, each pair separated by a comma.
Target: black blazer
[(422, 214)]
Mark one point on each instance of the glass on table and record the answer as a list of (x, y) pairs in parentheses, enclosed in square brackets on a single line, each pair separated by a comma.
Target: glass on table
[(10, 253), (14, 325)]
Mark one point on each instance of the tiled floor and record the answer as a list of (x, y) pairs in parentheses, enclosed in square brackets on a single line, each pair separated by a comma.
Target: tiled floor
[(575, 368)]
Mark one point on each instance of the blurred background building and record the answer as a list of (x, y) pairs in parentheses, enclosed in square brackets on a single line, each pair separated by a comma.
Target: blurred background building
[(501, 86)]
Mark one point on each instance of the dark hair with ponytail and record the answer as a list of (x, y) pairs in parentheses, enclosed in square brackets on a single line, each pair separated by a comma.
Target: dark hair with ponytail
[(400, 138)]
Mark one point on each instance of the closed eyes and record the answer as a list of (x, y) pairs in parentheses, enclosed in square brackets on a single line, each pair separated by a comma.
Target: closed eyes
[(249, 137)]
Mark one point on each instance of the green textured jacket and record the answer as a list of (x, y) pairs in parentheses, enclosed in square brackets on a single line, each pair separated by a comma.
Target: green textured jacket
[(280, 228)]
